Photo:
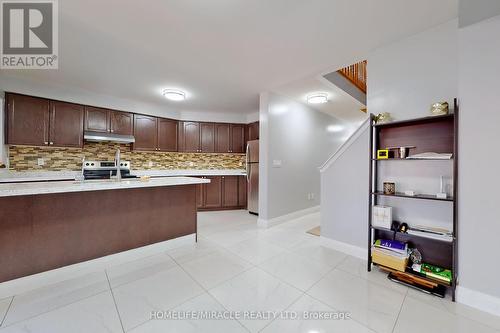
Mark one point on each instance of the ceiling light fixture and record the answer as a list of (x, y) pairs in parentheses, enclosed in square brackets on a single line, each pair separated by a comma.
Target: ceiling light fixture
[(174, 94), (317, 98)]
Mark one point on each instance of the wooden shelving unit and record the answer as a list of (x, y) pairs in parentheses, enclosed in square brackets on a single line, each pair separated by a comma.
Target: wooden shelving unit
[(428, 134)]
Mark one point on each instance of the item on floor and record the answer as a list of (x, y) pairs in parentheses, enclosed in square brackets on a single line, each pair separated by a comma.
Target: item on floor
[(384, 154), (410, 193), (382, 216), (431, 156), (389, 188), (415, 257), (440, 108), (417, 283), (316, 231), (383, 117), (403, 227), (389, 258), (434, 272)]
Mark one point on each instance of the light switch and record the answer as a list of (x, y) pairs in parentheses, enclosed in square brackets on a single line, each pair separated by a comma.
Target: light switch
[(41, 162), (277, 163)]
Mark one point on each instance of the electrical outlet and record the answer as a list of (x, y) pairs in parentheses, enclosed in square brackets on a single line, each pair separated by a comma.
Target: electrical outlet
[(191, 164), (310, 196), (41, 162), (150, 164)]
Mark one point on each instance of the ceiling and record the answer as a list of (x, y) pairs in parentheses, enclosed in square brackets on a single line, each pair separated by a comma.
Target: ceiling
[(223, 53)]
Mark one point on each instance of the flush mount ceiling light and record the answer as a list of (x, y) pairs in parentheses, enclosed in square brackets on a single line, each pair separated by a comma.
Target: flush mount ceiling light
[(174, 94), (317, 98)]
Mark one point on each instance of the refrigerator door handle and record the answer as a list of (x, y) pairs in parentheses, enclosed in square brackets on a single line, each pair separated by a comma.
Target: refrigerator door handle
[(246, 162)]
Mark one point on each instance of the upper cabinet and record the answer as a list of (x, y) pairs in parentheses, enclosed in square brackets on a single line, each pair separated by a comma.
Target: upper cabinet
[(108, 121), (167, 134), (207, 137), (253, 131), (39, 122), (189, 136), (237, 138), (66, 124), (155, 134), (145, 132), (222, 138)]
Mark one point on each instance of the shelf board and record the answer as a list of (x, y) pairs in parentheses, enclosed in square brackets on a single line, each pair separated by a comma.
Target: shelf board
[(422, 120), (414, 236), (417, 196), (411, 159)]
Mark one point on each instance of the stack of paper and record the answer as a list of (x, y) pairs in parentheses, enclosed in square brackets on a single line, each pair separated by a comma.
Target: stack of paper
[(430, 156), (431, 232)]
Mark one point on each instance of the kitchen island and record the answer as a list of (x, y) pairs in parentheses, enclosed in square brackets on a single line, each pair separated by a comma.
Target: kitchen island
[(48, 225)]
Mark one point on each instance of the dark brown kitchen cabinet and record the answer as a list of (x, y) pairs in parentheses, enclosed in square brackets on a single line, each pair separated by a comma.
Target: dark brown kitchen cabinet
[(167, 134), (253, 131), (37, 121), (199, 195), (222, 138), (121, 123), (66, 125), (212, 195), (229, 191), (237, 138), (242, 191), (189, 136), (27, 120), (145, 132), (207, 137), (97, 119)]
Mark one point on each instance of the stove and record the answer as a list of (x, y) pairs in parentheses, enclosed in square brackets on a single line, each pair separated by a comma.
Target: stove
[(105, 169)]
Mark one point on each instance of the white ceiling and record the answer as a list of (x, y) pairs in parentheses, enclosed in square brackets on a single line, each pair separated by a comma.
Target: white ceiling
[(222, 52), (340, 104)]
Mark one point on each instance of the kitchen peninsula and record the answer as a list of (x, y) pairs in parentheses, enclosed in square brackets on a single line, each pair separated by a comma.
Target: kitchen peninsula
[(47, 225)]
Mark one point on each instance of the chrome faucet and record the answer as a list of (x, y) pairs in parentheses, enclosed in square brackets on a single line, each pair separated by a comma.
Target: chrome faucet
[(117, 164)]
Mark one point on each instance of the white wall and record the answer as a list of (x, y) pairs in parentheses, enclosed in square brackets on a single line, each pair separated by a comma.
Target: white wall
[(479, 209), (296, 135), (473, 11)]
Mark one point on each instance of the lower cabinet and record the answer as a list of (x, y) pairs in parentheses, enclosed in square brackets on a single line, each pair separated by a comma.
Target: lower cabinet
[(223, 192)]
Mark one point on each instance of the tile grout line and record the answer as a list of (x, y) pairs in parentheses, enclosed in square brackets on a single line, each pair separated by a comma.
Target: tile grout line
[(399, 313), (114, 301), (6, 312)]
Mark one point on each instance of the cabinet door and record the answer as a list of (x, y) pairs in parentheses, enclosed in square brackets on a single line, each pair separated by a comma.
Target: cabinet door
[(253, 131), (237, 138), (145, 132), (190, 136), (96, 119), (66, 124), (27, 120), (121, 123), (242, 191), (207, 137), (167, 134), (222, 138), (230, 191), (212, 196)]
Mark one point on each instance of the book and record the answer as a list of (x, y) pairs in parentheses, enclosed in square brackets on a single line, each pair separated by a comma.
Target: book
[(434, 272), (392, 245)]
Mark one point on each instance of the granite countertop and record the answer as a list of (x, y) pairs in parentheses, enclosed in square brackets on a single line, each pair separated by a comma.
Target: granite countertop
[(32, 188), (44, 176)]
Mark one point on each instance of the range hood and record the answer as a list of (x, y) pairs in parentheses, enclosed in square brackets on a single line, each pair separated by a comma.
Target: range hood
[(107, 137)]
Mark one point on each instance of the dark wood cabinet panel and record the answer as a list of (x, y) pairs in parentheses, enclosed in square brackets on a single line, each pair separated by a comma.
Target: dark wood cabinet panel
[(121, 123), (237, 138), (253, 131), (167, 134), (242, 191), (145, 132), (97, 119), (230, 191), (27, 120), (222, 138), (189, 136), (207, 137), (212, 196), (199, 195), (66, 124)]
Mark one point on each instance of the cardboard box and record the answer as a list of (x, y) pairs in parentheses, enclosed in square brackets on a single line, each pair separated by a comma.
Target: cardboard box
[(396, 262)]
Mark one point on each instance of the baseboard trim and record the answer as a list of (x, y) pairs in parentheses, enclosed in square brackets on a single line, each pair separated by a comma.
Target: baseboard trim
[(262, 223), (35, 281), (478, 300), (346, 248)]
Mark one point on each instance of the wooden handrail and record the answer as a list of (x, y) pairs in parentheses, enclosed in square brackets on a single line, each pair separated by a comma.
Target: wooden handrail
[(356, 74)]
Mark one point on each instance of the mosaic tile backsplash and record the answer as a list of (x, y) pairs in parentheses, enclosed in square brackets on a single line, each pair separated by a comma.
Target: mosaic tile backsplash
[(23, 158)]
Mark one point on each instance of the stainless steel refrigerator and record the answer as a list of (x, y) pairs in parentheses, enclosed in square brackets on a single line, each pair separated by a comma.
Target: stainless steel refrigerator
[(253, 176)]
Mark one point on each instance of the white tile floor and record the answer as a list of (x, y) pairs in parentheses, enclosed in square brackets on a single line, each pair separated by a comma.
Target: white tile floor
[(237, 267)]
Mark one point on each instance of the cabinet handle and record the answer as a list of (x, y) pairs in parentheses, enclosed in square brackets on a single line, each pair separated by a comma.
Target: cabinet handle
[(46, 142), (51, 143)]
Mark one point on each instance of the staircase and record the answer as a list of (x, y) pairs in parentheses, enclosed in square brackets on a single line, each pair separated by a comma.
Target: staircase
[(356, 74), (351, 79)]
